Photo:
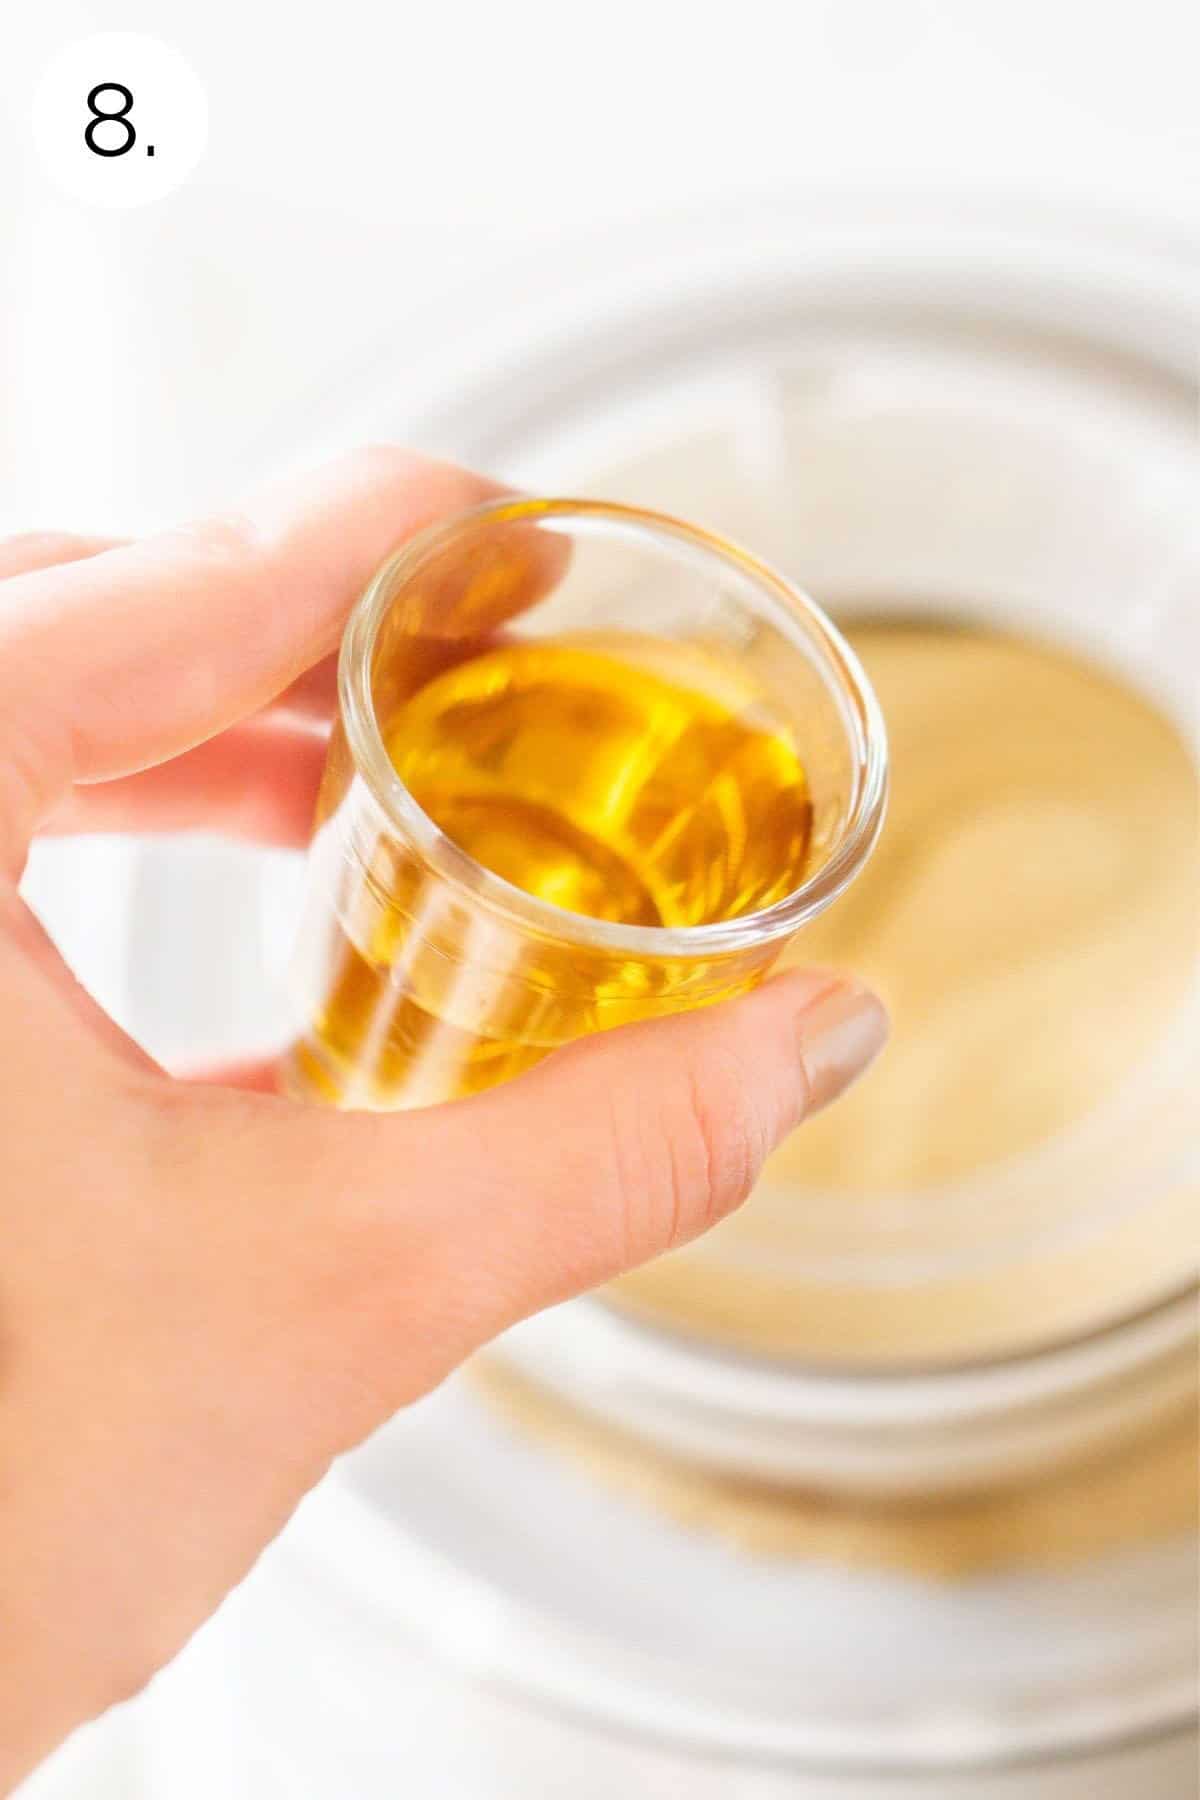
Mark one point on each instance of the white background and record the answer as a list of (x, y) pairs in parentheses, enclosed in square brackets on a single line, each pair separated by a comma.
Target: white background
[(366, 158)]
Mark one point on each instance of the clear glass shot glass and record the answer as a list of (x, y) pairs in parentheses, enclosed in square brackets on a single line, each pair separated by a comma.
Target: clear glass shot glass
[(530, 660)]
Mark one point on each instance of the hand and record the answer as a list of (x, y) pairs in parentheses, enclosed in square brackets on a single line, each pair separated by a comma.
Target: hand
[(208, 1292)]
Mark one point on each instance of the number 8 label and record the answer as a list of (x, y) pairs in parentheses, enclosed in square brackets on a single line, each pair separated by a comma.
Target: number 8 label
[(100, 146), (118, 115)]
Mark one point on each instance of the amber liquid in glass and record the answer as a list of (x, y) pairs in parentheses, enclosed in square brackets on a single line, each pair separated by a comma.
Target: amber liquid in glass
[(637, 782)]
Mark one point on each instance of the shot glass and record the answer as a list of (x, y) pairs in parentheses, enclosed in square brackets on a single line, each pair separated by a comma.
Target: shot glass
[(423, 972)]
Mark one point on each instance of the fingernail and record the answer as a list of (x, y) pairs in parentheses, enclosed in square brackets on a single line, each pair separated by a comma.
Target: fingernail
[(841, 1034)]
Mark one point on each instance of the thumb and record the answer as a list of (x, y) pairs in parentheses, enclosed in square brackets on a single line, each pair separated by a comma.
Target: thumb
[(612, 1151)]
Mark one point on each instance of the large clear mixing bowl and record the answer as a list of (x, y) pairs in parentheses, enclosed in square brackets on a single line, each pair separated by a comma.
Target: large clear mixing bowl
[(916, 424), (908, 416)]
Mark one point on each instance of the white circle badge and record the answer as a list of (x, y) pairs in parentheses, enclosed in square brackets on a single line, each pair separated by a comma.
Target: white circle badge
[(119, 119)]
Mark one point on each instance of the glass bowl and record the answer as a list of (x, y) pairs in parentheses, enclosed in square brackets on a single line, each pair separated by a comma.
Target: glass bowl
[(907, 419)]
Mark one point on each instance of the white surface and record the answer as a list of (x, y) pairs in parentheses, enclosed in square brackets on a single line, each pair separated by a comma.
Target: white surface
[(441, 1742), (543, 1581), (329, 1672), (368, 160), (108, 142)]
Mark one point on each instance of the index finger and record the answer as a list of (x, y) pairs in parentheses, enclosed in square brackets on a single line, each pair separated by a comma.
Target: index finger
[(116, 662)]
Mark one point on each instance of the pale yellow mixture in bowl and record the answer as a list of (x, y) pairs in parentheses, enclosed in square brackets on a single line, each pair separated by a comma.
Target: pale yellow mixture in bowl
[(1030, 916)]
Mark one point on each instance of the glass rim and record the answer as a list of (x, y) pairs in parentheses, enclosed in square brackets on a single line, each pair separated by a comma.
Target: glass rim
[(788, 608)]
